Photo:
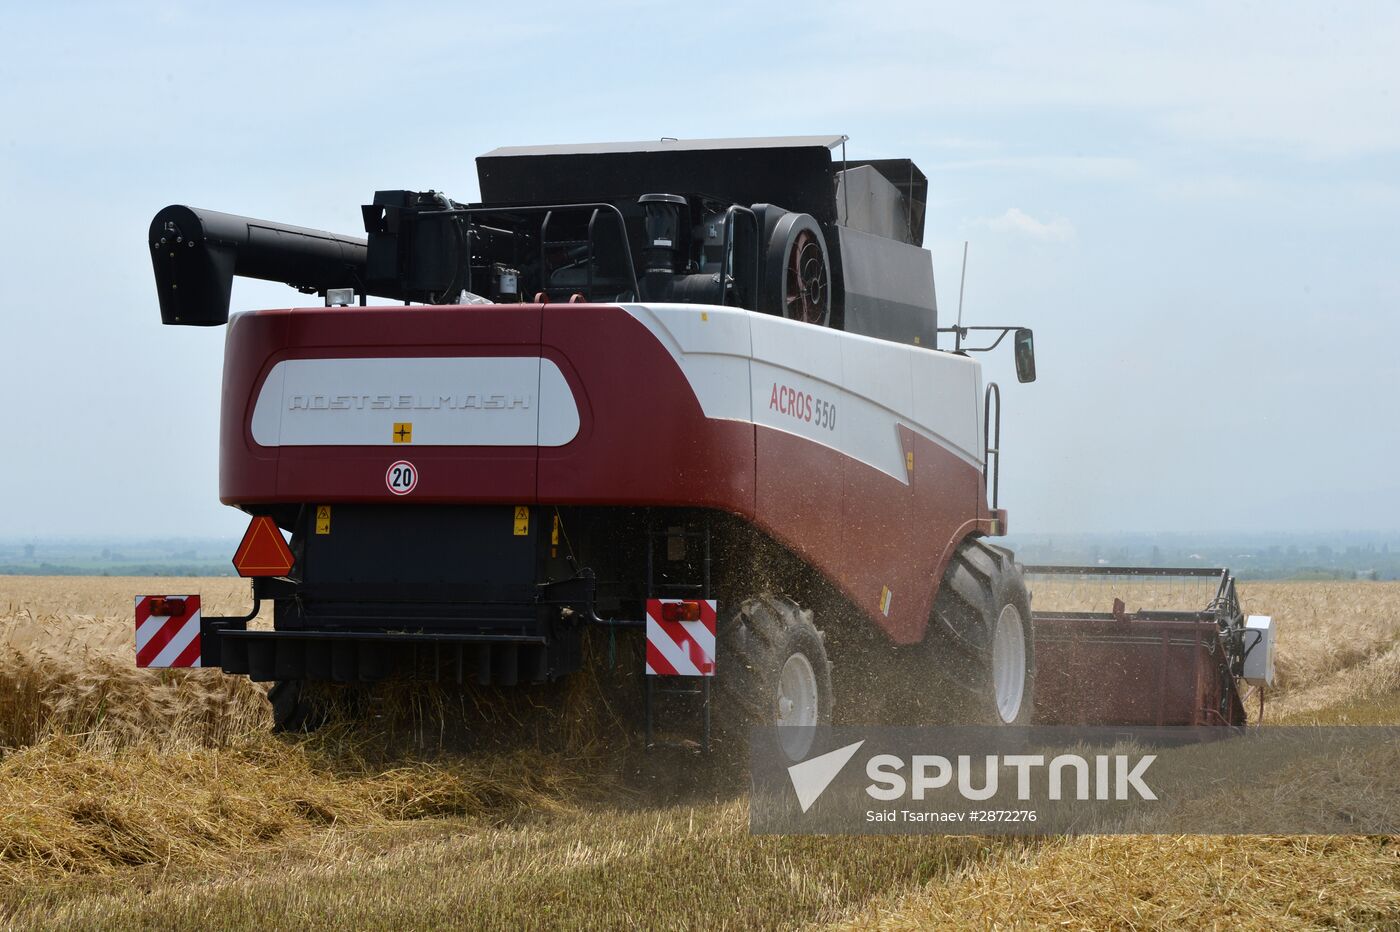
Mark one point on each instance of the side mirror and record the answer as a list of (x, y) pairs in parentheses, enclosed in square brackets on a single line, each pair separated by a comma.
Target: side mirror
[(1025, 355)]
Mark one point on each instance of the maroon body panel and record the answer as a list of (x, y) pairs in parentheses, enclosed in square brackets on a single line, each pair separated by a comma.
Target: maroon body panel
[(1096, 670), (643, 440)]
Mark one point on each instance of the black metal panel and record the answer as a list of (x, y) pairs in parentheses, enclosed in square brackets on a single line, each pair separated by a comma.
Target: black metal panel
[(233, 656), (441, 550), (798, 178), (912, 185), (290, 660), (364, 657), (452, 570), (884, 319), (888, 288)]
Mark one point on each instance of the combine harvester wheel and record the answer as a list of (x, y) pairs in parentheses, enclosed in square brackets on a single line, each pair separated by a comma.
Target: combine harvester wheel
[(773, 671), (979, 644), (292, 709)]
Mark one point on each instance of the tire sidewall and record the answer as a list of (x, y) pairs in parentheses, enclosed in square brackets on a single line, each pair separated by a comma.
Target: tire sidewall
[(960, 688), (1009, 588), (756, 641), (805, 640)]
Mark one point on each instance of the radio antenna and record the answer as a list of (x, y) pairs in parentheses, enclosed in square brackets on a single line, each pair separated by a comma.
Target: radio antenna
[(958, 333)]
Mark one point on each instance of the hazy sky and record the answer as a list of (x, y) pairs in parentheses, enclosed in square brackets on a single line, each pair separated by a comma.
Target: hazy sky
[(1196, 206)]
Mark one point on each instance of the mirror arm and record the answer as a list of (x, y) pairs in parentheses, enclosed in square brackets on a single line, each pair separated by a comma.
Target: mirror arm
[(963, 331)]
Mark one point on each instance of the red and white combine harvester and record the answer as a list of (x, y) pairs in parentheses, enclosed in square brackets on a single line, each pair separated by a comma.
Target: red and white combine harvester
[(691, 388)]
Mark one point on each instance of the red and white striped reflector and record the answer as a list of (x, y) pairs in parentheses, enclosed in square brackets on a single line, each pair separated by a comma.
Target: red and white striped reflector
[(170, 638), (680, 648)]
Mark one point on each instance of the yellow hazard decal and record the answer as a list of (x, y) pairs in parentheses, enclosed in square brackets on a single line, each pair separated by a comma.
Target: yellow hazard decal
[(323, 519), (522, 520), (909, 460), (403, 432), (554, 534), (885, 597)]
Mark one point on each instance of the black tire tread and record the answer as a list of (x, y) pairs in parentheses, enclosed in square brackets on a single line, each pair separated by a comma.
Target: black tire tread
[(980, 578), (296, 708), (754, 641)]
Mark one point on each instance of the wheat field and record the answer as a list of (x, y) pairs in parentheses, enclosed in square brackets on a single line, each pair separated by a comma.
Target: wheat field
[(133, 798)]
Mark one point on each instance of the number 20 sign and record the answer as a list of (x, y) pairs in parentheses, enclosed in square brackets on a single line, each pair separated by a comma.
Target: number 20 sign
[(402, 477)]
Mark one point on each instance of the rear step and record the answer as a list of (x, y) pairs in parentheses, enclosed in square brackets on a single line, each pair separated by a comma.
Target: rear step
[(699, 694), (366, 656)]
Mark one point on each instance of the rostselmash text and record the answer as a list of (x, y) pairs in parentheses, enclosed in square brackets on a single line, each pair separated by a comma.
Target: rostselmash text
[(1071, 776), (409, 402)]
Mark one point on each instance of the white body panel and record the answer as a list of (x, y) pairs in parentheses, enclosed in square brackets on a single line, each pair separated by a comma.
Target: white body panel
[(450, 401), (736, 359)]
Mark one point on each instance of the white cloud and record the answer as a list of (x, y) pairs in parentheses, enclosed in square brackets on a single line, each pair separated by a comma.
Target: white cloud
[(1017, 221)]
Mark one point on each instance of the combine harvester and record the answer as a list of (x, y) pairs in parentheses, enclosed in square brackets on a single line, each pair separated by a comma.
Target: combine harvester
[(691, 388)]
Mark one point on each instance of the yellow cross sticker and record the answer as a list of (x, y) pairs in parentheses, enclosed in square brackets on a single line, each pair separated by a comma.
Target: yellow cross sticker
[(323, 519), (522, 520), (403, 432)]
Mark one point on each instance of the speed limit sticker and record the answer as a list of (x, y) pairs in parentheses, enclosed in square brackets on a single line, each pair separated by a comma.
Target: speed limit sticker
[(402, 477)]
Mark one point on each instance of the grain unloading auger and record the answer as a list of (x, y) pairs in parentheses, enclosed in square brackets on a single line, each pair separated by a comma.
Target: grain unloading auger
[(686, 392)]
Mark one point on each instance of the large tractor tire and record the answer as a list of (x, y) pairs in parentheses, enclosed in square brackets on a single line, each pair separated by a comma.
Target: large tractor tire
[(293, 708), (772, 669), (979, 647), (305, 706)]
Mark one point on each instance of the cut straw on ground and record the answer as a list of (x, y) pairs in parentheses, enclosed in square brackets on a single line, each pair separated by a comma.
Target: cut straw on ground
[(115, 781)]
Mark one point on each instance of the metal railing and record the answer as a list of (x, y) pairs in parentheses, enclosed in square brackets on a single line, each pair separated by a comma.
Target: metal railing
[(549, 210), (726, 269), (991, 451)]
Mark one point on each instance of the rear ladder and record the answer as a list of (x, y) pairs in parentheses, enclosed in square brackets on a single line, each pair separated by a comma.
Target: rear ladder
[(699, 693)]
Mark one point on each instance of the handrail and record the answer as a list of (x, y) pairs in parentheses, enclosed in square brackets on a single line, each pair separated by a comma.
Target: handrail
[(991, 447), (724, 269), (592, 222), (548, 208)]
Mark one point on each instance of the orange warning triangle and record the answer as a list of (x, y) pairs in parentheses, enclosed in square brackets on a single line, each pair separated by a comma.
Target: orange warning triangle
[(263, 552)]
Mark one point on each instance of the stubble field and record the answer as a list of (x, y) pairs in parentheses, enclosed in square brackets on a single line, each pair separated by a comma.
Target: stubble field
[(145, 798)]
